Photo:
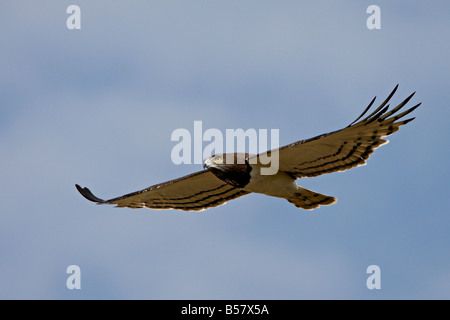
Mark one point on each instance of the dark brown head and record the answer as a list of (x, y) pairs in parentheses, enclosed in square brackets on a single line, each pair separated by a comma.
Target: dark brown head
[(233, 168)]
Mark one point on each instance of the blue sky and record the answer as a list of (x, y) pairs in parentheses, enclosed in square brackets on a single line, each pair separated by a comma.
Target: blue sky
[(97, 107)]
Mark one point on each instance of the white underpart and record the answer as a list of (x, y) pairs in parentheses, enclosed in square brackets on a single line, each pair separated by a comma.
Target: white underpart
[(279, 185)]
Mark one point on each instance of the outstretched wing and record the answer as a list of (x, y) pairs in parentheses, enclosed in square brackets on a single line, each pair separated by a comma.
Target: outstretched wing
[(195, 192), (346, 148)]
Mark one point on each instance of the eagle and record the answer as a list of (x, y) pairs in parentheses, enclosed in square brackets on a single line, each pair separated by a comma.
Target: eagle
[(230, 176)]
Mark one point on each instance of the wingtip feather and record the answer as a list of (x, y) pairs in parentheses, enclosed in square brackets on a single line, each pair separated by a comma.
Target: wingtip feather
[(85, 192)]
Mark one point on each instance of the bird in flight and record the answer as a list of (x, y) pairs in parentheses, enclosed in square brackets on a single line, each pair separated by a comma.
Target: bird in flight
[(230, 176)]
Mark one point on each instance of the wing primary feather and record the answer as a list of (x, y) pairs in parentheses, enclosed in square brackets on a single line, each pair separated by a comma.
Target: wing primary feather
[(85, 192), (406, 121), (377, 116), (364, 112), (401, 115), (383, 104), (401, 105), (404, 113)]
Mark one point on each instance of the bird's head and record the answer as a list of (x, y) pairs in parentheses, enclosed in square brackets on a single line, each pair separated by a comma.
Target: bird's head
[(213, 161), (224, 160), (232, 168)]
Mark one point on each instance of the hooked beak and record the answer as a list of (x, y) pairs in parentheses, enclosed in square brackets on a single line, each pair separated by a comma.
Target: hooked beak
[(206, 164)]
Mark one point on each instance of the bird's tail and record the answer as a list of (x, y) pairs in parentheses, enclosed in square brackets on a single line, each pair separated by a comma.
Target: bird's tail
[(309, 200)]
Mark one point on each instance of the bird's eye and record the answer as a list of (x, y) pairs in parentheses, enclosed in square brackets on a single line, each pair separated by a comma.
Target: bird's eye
[(218, 160)]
